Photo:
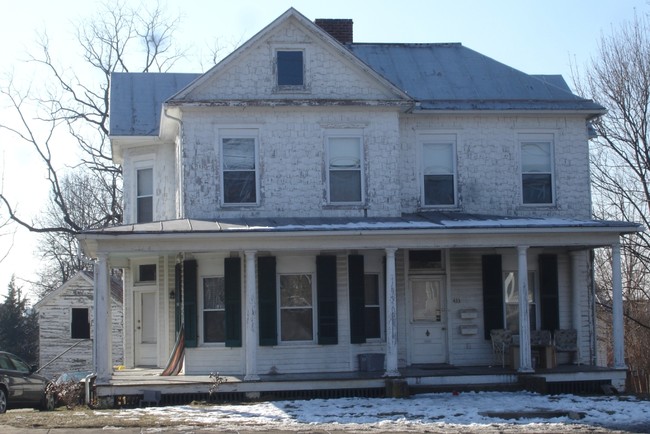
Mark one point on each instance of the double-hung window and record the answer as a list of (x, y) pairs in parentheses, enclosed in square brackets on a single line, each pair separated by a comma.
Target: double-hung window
[(290, 69), (214, 309), (345, 169), (438, 153), (296, 307), (144, 195), (239, 169), (537, 168), (511, 298), (373, 306)]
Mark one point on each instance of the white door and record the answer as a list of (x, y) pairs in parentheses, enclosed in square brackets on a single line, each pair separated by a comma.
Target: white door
[(428, 322), (146, 325)]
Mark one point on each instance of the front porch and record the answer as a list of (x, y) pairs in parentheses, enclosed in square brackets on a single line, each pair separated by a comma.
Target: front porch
[(127, 387)]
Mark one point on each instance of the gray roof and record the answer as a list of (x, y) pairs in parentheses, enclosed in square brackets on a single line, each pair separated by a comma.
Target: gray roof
[(436, 76), (419, 221), (137, 99)]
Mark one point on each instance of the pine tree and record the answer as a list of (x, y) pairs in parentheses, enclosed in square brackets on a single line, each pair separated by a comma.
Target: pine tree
[(18, 325)]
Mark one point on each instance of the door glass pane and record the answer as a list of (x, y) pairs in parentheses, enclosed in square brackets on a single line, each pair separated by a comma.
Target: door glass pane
[(426, 300), (148, 318)]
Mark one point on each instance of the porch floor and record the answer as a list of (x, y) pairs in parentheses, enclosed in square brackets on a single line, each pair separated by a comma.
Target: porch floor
[(419, 378)]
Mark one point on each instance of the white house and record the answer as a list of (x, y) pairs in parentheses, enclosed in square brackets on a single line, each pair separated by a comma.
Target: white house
[(66, 326), (310, 199)]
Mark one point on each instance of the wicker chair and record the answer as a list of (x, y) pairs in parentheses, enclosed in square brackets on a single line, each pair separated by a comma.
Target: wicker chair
[(566, 340), (501, 341)]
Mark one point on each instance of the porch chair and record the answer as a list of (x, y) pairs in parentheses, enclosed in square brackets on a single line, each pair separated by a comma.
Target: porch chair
[(501, 341), (541, 345), (566, 341)]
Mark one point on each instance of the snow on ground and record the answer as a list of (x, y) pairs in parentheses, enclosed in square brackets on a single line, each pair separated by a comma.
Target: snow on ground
[(419, 412)]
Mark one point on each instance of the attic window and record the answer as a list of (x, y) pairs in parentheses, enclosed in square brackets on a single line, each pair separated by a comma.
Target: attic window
[(290, 69)]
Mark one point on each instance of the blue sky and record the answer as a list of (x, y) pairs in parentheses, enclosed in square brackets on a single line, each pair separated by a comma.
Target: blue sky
[(536, 37)]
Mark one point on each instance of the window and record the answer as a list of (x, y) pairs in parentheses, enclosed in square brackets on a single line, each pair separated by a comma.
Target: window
[(146, 273), (425, 260), (344, 169), (80, 326), (296, 307), (290, 69), (214, 309), (372, 302), (438, 170), (536, 169), (511, 298), (144, 196), (239, 170)]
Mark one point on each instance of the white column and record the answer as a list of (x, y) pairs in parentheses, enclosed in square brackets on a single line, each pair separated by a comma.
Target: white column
[(618, 344), (525, 364), (251, 338), (102, 333), (576, 286), (391, 315)]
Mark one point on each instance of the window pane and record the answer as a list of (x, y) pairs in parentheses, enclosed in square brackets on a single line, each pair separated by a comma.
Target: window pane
[(437, 158), (80, 326), (239, 187), (345, 186), (297, 325), (239, 154), (147, 273), (295, 291), (213, 293), (371, 284), (145, 182), (344, 152), (537, 188), (373, 322), (438, 190), (214, 326), (536, 157), (290, 69), (425, 259)]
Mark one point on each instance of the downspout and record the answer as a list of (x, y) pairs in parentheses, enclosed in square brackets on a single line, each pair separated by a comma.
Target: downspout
[(180, 198)]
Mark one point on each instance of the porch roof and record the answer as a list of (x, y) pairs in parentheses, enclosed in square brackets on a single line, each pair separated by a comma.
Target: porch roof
[(419, 230)]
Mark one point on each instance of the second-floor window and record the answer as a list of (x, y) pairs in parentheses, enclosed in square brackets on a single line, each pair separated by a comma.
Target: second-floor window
[(239, 170), (537, 168), (438, 170), (345, 170), (144, 196)]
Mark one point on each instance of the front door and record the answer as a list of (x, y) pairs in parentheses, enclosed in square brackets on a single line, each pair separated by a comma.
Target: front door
[(428, 321), (146, 324)]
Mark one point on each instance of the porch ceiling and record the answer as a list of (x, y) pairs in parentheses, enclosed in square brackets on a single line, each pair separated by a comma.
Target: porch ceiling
[(421, 230)]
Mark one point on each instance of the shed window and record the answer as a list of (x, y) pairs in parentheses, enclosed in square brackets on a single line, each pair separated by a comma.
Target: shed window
[(80, 326)]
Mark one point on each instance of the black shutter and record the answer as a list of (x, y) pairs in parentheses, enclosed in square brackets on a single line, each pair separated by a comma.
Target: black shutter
[(326, 296), (548, 290), (232, 288), (190, 285), (492, 294), (357, 299), (266, 284), (178, 305)]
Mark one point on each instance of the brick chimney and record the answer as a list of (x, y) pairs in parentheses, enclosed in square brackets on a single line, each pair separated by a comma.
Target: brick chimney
[(339, 29)]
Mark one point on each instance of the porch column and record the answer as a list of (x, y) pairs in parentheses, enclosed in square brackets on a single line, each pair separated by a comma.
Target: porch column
[(391, 315), (252, 338), (618, 344), (102, 332), (576, 258), (525, 364)]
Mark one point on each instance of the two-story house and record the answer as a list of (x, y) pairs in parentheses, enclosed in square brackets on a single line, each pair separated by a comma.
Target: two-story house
[(310, 199)]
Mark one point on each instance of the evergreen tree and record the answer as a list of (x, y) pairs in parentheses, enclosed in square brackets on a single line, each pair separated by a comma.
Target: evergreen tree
[(18, 325)]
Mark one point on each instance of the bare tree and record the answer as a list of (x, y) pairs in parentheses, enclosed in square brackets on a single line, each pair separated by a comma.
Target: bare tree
[(73, 109), (618, 77)]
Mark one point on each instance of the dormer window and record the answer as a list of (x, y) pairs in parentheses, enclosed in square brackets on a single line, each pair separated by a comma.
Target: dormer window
[(290, 69)]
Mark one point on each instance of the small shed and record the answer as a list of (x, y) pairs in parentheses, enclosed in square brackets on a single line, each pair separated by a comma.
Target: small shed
[(66, 326)]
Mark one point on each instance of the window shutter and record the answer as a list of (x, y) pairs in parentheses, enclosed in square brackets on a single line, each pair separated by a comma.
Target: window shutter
[(232, 288), (326, 296), (492, 294), (357, 299), (548, 291), (189, 302), (266, 284), (178, 312)]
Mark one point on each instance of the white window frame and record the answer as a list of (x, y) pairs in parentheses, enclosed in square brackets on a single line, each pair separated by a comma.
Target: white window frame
[(135, 267), (203, 310), (143, 163), (345, 134), (532, 281), (304, 88), (382, 306), (314, 313), (524, 138), (437, 138), (239, 133)]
